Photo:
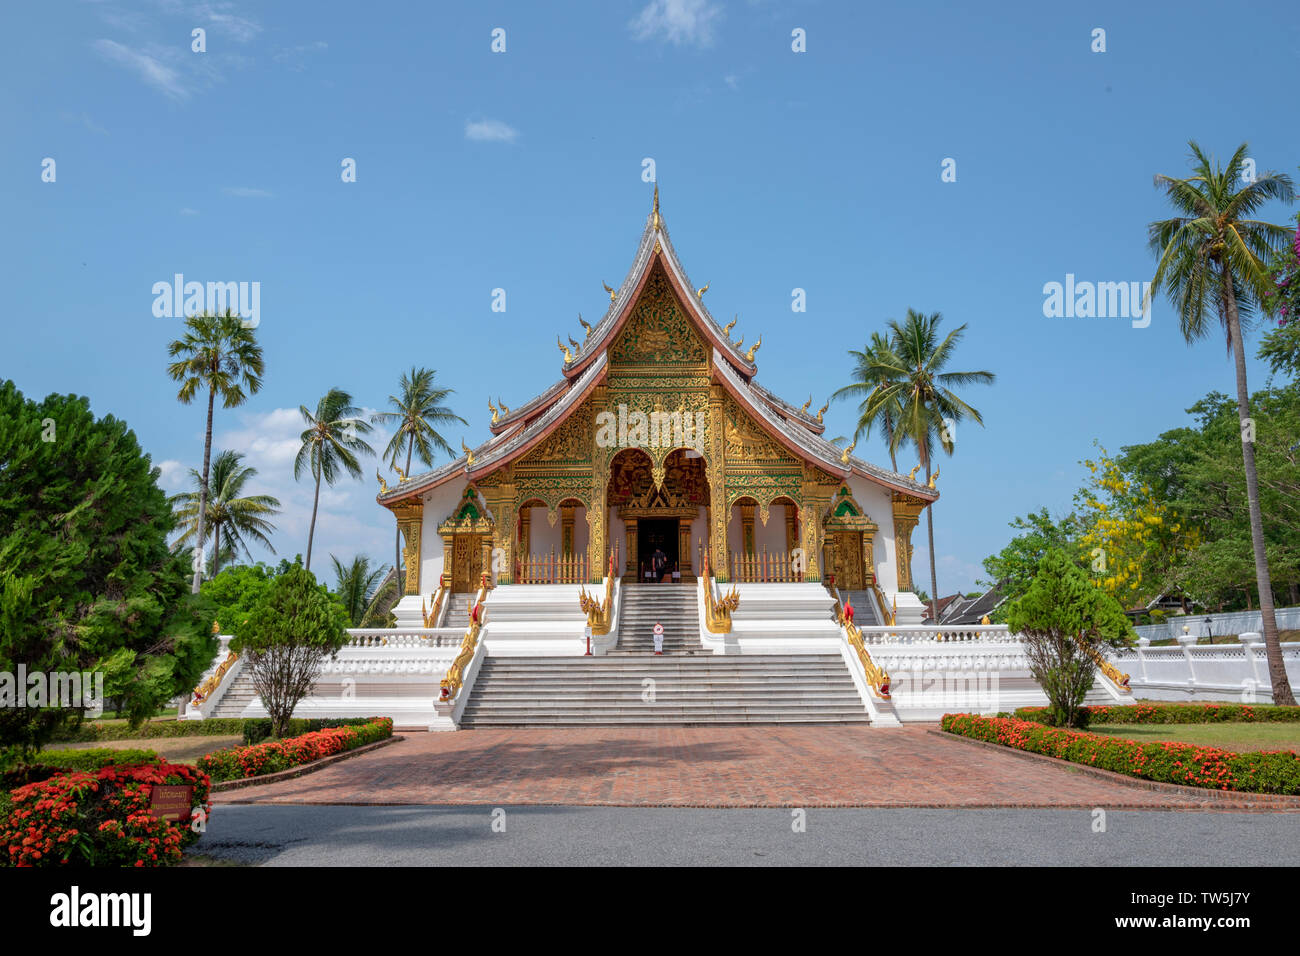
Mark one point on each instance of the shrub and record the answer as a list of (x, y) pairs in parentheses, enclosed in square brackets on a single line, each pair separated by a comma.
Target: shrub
[(1166, 762), (99, 818), (257, 729), (1174, 714), (47, 763), (276, 755)]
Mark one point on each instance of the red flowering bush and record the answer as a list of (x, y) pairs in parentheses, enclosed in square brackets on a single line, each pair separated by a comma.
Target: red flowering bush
[(1175, 713), (99, 818), (1167, 762), (275, 755)]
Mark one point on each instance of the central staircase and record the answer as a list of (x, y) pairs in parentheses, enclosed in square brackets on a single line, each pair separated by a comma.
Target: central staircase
[(687, 686)]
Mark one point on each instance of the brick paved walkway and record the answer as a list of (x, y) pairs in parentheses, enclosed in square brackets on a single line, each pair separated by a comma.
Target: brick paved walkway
[(703, 767)]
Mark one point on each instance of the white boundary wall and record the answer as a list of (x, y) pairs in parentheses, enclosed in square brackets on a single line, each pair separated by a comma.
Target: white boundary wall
[(1190, 672), (1234, 622)]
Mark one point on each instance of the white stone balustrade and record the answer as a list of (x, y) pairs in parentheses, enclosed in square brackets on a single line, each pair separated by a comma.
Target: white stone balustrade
[(1191, 672)]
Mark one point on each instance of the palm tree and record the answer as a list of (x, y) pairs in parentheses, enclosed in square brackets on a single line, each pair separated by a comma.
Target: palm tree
[(355, 583), (914, 387), (1213, 262), (220, 354), (866, 382), (417, 408), (235, 519), (330, 445)]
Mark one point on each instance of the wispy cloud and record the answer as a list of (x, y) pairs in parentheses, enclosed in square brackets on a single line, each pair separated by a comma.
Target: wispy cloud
[(85, 120), (187, 211), (490, 131), (295, 57), (247, 192), (679, 22), (225, 20), (149, 68)]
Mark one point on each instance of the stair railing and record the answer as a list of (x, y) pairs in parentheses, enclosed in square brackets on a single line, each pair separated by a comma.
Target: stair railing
[(600, 616), (877, 677), (717, 611), (452, 683)]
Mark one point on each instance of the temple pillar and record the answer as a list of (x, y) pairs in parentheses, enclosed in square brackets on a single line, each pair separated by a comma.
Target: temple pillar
[(747, 529), (684, 546), (410, 517), (629, 526), (500, 501), (566, 530), (716, 471), (907, 511), (448, 559)]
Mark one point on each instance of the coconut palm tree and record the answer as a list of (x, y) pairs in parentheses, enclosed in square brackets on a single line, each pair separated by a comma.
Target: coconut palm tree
[(1212, 262), (866, 382), (355, 583), (417, 408), (331, 443), (235, 519), (220, 354), (914, 386)]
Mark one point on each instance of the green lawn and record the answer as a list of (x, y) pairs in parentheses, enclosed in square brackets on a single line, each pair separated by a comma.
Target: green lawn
[(175, 749), (1237, 737)]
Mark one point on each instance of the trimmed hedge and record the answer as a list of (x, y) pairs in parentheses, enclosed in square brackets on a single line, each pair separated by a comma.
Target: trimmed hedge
[(46, 763), (1166, 762), (257, 729), (93, 731), (252, 729), (276, 755), (99, 818), (1175, 714)]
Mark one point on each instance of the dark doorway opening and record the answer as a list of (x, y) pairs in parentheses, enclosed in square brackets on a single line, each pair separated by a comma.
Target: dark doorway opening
[(656, 534)]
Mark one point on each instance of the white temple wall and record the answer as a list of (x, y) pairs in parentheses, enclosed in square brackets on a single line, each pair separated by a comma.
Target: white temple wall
[(879, 506), (438, 507)]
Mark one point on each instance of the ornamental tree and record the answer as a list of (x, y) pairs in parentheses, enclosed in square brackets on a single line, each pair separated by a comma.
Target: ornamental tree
[(87, 581), (1064, 619), (286, 637)]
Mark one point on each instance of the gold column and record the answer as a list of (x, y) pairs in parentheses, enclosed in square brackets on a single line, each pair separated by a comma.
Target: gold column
[(716, 471), (629, 526), (684, 546), (525, 527), (566, 530), (501, 502), (448, 559), (812, 509), (410, 515), (791, 534), (597, 509), (907, 511), (868, 560)]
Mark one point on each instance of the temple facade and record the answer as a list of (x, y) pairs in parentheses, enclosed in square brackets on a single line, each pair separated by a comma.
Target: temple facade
[(657, 439)]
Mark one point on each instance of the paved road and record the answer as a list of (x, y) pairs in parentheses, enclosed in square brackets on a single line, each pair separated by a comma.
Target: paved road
[(628, 836)]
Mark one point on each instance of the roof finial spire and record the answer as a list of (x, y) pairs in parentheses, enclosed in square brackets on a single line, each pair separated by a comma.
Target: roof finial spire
[(656, 209)]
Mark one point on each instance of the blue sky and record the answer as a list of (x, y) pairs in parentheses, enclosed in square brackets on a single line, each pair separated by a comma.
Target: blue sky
[(522, 170)]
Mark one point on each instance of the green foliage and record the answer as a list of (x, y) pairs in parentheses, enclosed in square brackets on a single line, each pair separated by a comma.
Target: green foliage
[(92, 731), (236, 591), (1179, 714), (46, 763), (1061, 616), (257, 729), (331, 443), (355, 585), (234, 518), (295, 625), (1013, 568), (87, 582), (275, 755)]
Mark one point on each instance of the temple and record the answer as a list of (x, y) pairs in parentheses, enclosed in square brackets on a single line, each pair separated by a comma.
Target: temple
[(657, 437), (656, 538)]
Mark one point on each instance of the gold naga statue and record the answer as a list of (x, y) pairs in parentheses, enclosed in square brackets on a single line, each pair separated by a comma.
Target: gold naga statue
[(585, 324), (844, 458), (934, 477), (699, 293), (726, 329), (911, 475), (383, 485), (568, 356), (494, 410), (804, 407), (822, 411), (612, 294), (504, 410), (749, 356), (469, 455)]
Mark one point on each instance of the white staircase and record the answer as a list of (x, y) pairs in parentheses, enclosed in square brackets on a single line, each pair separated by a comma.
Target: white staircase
[(675, 606)]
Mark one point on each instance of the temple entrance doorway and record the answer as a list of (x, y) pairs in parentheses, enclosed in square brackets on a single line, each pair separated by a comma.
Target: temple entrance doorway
[(656, 534), (467, 562)]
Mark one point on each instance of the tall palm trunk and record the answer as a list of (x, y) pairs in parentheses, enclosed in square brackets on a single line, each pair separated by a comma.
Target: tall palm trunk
[(216, 555), (1272, 649), (929, 530), (203, 493), (311, 533)]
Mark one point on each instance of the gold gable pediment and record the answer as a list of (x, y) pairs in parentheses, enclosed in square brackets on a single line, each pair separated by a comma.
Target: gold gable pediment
[(659, 331)]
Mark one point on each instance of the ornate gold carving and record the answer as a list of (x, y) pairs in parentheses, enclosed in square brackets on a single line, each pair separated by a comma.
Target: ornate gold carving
[(699, 293), (876, 676), (401, 475), (468, 453), (586, 325), (907, 511), (746, 441), (753, 349), (451, 685), (570, 442), (410, 516), (655, 211), (495, 412), (504, 410), (804, 407), (1117, 676), (213, 681), (822, 411), (659, 332), (568, 357), (934, 478), (383, 485), (911, 475), (717, 612), (726, 329), (844, 458), (612, 294)]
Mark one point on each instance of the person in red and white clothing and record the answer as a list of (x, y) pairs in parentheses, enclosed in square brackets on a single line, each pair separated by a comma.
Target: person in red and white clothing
[(659, 638)]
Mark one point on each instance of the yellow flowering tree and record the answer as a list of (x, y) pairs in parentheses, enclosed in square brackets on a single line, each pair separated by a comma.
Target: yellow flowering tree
[(1131, 538)]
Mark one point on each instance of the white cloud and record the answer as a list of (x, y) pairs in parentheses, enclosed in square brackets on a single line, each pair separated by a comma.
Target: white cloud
[(150, 69), (187, 211), (295, 57), (732, 81), (220, 15), (348, 521), (680, 22), (490, 131), (247, 192)]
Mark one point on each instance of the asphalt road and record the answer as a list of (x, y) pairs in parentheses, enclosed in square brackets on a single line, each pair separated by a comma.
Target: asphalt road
[(630, 836)]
